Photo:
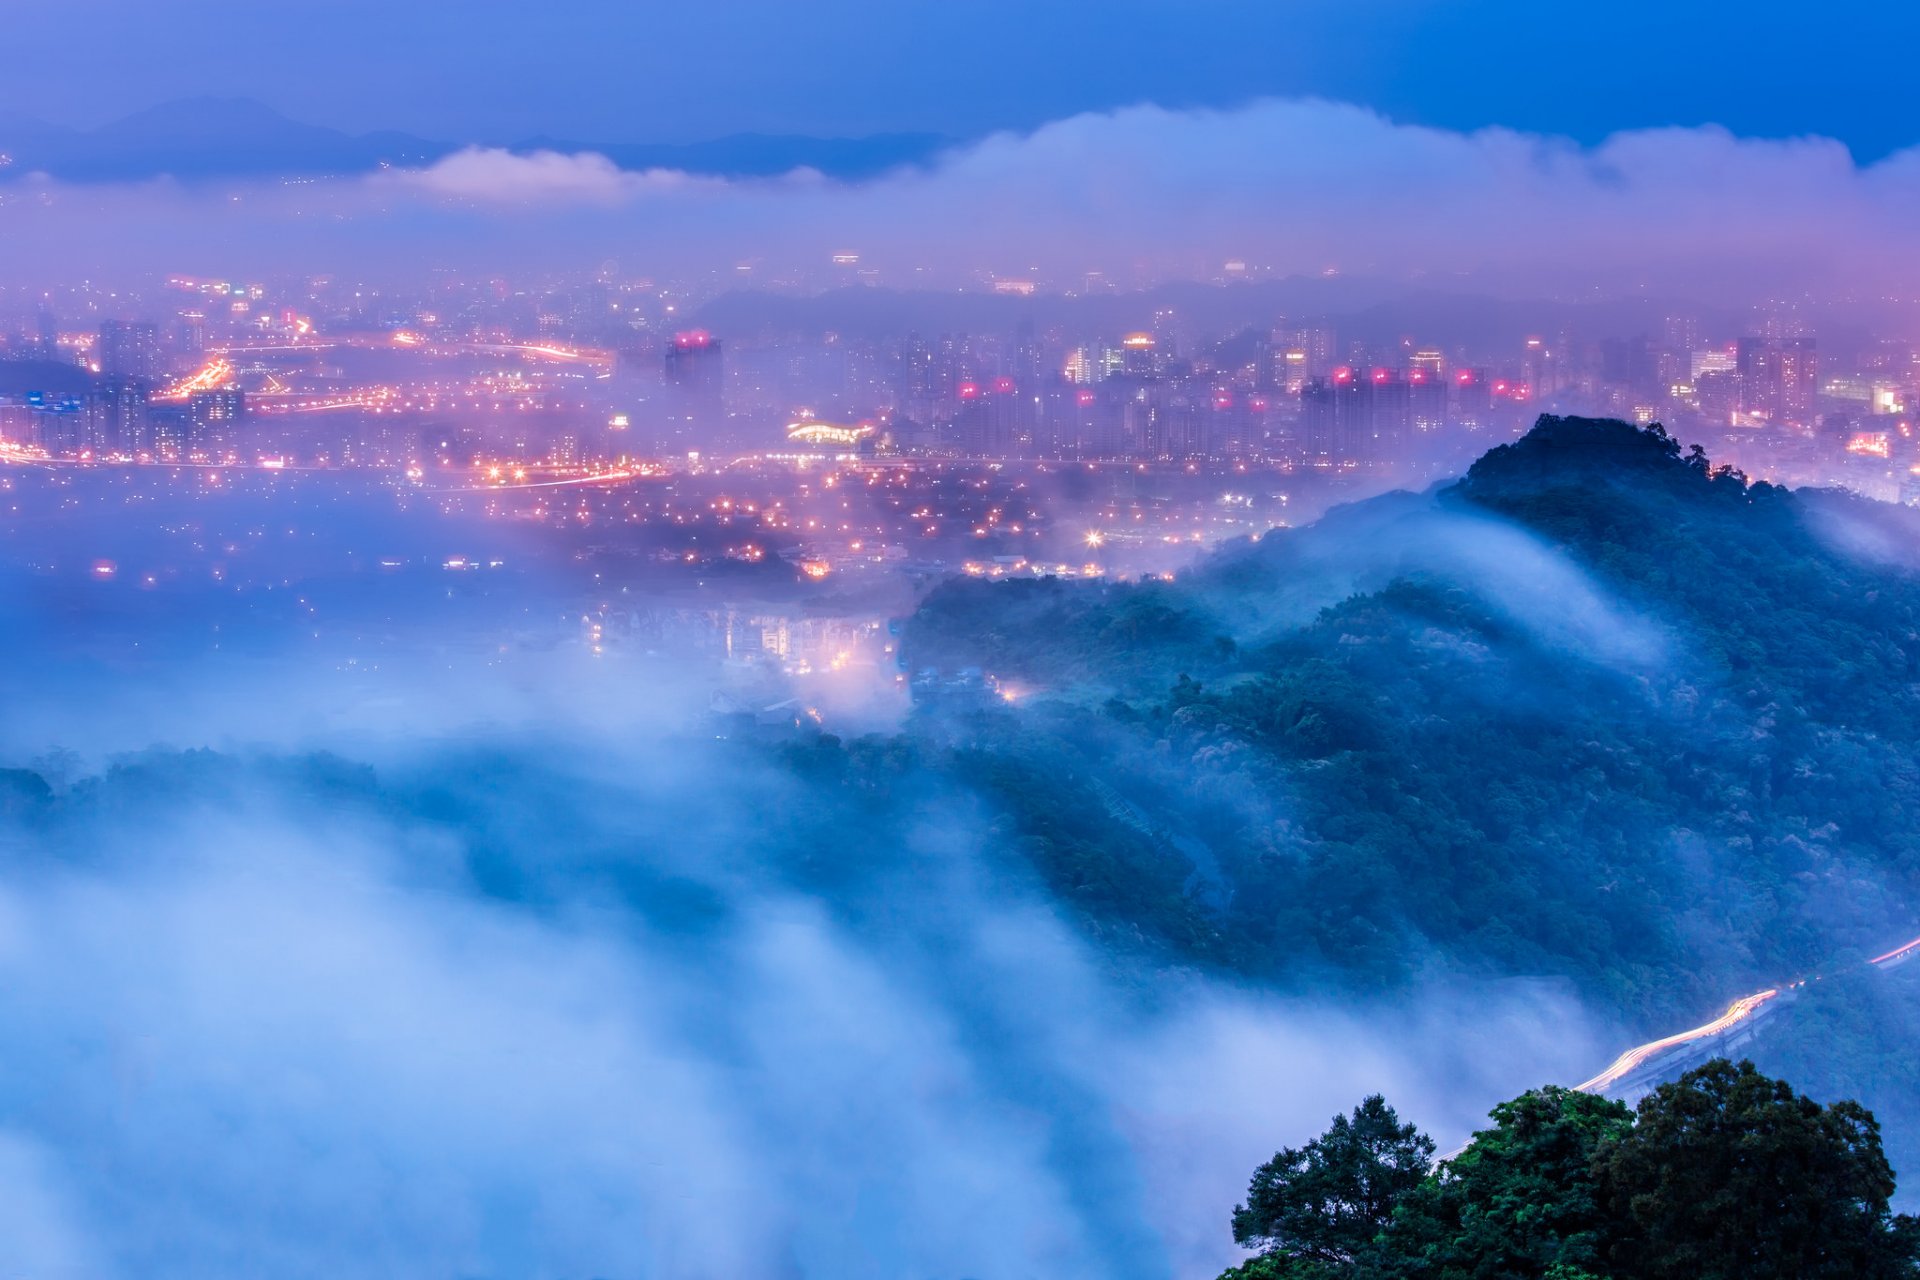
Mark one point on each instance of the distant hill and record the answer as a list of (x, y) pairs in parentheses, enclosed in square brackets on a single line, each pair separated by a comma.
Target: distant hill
[(18, 377), (202, 139)]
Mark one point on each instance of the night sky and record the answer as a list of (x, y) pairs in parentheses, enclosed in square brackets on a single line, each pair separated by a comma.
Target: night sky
[(617, 70)]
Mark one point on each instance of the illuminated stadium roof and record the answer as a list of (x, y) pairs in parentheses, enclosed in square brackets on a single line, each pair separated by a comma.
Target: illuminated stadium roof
[(832, 434)]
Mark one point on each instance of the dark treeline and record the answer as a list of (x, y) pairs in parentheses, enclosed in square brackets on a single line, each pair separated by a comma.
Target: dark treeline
[(1722, 1174)]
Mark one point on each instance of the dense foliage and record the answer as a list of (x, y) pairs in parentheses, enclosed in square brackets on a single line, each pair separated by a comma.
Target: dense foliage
[(1724, 1173), (1599, 710)]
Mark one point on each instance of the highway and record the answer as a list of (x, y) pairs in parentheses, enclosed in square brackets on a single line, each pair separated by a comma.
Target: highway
[(1737, 1012), (1740, 1011)]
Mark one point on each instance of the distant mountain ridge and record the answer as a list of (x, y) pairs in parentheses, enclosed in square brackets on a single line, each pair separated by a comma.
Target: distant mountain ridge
[(211, 138)]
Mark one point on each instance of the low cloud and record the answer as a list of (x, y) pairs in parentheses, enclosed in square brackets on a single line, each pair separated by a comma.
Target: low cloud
[(569, 1004), (493, 176), (1287, 186)]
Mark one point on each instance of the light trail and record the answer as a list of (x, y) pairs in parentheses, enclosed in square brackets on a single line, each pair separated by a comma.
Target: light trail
[(216, 373), (552, 352), (1737, 1012), (1896, 955), (603, 477), (264, 403)]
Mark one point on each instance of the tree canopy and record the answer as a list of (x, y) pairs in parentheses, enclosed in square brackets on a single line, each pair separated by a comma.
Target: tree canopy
[(1723, 1173), (1324, 1204)]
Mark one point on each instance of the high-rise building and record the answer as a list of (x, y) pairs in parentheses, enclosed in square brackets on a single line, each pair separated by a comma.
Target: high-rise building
[(116, 420), (1139, 354), (696, 380), (1336, 418), (986, 425), (1315, 343), (16, 422), (1473, 399), (1630, 363), (130, 351), (213, 423), (1426, 398), (1799, 365), (1778, 376), (694, 363), (1390, 417), (1682, 333), (1714, 361)]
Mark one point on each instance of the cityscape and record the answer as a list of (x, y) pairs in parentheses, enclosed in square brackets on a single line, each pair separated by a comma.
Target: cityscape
[(602, 403), (1227, 641)]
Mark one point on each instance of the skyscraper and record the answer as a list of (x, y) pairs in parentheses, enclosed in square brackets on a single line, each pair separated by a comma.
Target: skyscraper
[(694, 364), (116, 419), (130, 351), (696, 377), (213, 422)]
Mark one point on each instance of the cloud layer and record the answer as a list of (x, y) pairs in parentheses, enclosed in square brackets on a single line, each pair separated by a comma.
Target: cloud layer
[(277, 1017), (1285, 186)]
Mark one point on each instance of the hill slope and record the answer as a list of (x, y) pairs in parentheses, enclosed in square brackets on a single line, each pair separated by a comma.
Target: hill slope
[(1597, 711)]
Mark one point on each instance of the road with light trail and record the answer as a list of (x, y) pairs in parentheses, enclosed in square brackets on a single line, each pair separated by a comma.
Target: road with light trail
[(1739, 1011)]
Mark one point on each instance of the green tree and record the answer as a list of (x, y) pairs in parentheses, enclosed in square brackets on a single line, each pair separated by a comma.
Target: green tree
[(1319, 1210), (1520, 1201), (1728, 1173)]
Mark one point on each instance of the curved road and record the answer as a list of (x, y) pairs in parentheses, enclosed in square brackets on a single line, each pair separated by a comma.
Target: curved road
[(1737, 1012)]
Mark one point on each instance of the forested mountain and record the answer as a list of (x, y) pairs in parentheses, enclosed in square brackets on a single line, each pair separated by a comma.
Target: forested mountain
[(1599, 710)]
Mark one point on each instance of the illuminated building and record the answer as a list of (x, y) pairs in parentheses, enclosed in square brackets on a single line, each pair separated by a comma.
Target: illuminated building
[(694, 364), (987, 424), (1799, 368), (1314, 344), (116, 419), (169, 426), (1355, 416), (1426, 397), (1072, 416), (696, 380), (1704, 362), (1682, 333), (1333, 417), (130, 351), (213, 422), (810, 439), (1473, 399)]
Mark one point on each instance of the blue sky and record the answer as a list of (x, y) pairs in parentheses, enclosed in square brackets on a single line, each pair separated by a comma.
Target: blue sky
[(620, 70)]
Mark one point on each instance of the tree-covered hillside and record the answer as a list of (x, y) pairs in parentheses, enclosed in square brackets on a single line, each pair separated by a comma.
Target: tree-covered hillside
[(1599, 710)]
